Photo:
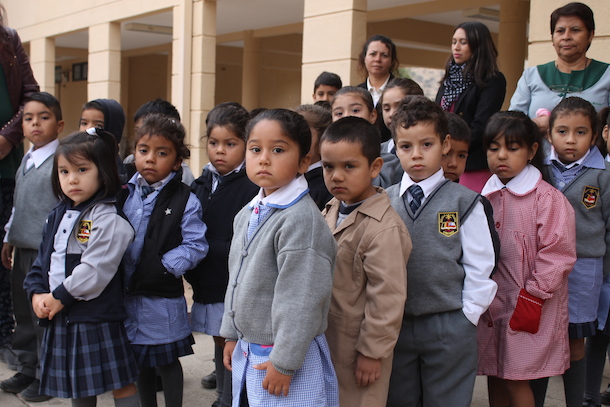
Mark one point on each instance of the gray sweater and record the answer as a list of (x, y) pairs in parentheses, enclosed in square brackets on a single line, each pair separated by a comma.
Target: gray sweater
[(33, 202), (436, 275), (280, 282)]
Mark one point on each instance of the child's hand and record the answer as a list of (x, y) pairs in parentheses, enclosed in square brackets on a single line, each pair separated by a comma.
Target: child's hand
[(367, 370), (38, 306), (275, 383), (53, 305), (7, 256), (227, 354)]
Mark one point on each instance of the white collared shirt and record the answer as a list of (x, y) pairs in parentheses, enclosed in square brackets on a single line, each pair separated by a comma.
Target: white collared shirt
[(283, 197), (554, 156), (37, 157), (376, 93), (478, 257), (314, 166), (524, 182)]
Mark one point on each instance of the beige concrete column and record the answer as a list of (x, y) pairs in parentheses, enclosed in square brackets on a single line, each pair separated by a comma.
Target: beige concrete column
[(182, 38), (42, 60), (333, 34), (250, 79), (203, 78), (512, 42), (104, 71)]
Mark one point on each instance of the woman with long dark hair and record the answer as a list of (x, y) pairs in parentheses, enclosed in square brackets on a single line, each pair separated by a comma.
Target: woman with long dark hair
[(474, 88)]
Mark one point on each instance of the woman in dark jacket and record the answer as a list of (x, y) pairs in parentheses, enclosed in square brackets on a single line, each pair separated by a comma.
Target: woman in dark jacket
[(473, 88)]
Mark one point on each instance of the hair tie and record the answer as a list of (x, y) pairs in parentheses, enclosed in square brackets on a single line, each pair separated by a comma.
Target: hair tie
[(92, 131)]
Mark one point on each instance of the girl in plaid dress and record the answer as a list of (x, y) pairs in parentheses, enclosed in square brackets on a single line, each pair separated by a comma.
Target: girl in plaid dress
[(75, 284), (523, 335)]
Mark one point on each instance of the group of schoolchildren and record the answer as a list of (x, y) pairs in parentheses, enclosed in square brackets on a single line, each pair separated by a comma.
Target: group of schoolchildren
[(319, 286)]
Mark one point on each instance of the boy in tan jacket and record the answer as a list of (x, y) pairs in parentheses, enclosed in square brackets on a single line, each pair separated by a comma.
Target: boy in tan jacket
[(369, 286)]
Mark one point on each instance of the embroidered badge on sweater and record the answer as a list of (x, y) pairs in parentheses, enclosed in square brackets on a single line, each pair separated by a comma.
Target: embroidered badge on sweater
[(84, 231), (589, 197), (448, 223)]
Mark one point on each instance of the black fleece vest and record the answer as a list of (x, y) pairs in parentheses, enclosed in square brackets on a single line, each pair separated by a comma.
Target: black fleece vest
[(163, 234)]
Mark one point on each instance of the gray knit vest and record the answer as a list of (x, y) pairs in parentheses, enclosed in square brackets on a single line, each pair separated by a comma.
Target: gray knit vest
[(435, 276), (33, 201)]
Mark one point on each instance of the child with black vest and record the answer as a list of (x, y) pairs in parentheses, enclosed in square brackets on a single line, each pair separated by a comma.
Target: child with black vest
[(223, 189), (32, 202), (448, 284), (169, 241)]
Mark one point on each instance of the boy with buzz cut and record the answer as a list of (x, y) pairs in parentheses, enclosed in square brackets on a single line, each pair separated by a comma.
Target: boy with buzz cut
[(32, 202), (448, 284), (325, 87), (454, 162), (369, 285)]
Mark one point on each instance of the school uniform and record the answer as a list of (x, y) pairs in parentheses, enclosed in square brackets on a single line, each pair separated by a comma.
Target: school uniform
[(317, 187), (167, 221), (281, 268), (537, 253), (448, 288), (85, 349), (586, 184), (369, 292), (33, 200), (221, 197)]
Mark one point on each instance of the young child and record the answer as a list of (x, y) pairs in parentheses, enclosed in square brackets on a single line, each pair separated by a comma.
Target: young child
[(325, 87), (391, 99), (223, 189), (596, 346), (454, 162), (318, 119), (165, 108), (370, 282), (108, 115), (33, 200), (523, 336), (281, 269), (577, 168), (75, 283), (448, 284), (169, 241), (353, 101)]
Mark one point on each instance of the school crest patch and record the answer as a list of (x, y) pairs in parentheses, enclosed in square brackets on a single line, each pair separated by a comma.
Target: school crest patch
[(448, 223), (590, 196), (84, 231)]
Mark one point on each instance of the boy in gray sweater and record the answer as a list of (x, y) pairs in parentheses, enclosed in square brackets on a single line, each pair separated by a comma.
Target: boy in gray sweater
[(33, 201)]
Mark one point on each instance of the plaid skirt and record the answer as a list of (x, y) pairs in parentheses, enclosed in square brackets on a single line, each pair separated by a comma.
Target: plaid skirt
[(83, 359), (161, 355)]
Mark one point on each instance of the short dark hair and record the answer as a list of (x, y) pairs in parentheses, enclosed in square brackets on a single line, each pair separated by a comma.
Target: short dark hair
[(316, 116), (354, 129), (48, 100), (517, 128), (457, 128), (228, 114), (160, 106), (325, 104), (294, 126), (160, 125), (391, 46), (408, 87), (574, 9), (255, 112), (572, 105), (419, 109), (328, 79), (364, 94), (100, 148)]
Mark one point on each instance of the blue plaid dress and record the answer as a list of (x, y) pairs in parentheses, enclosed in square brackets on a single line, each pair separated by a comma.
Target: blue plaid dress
[(313, 385)]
